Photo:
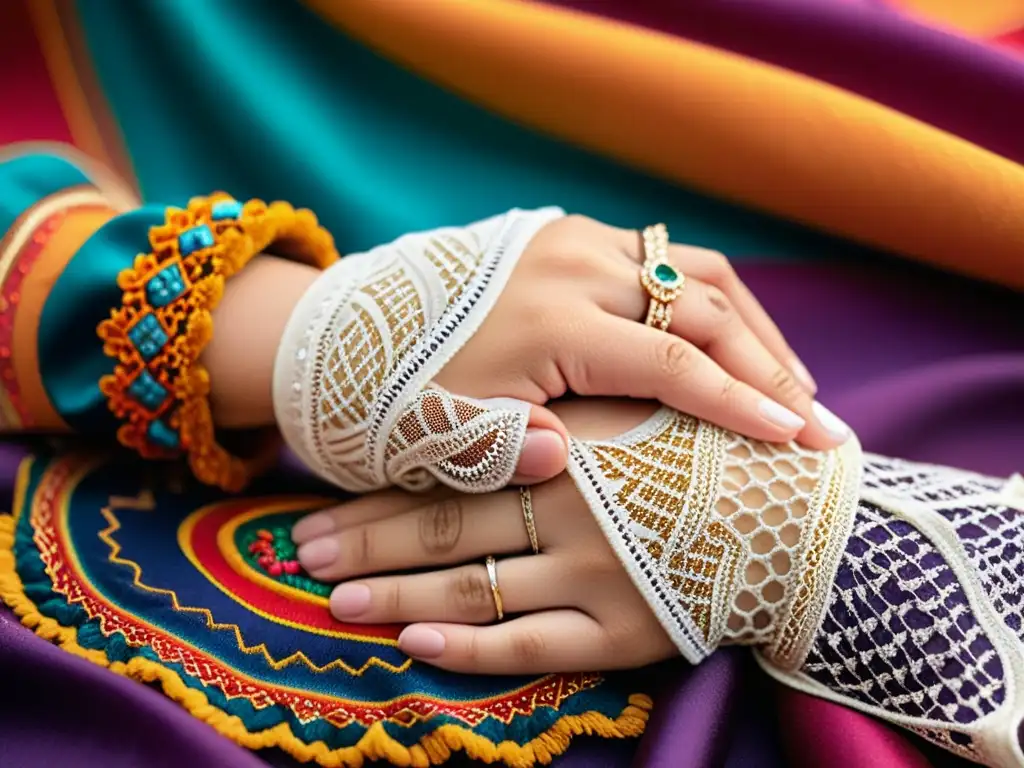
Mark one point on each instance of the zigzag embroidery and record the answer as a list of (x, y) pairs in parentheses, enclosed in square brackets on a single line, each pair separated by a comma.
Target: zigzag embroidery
[(145, 501)]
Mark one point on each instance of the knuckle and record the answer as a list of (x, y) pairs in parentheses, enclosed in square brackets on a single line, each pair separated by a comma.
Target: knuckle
[(577, 221), (785, 385), (528, 647), (602, 568), (730, 390), (393, 599), (472, 649), (718, 301), (441, 526), (675, 356), (359, 550), (470, 593)]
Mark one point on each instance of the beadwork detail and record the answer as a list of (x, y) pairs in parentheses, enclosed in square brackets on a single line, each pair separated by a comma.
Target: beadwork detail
[(158, 389)]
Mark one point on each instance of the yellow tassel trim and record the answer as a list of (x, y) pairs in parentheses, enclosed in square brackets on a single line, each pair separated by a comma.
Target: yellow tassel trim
[(158, 388), (434, 749)]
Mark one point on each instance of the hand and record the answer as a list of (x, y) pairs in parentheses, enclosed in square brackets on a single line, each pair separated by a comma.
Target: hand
[(571, 318), (577, 608)]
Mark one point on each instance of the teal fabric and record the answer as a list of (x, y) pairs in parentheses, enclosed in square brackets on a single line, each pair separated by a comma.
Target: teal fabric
[(71, 359), (27, 179), (267, 100)]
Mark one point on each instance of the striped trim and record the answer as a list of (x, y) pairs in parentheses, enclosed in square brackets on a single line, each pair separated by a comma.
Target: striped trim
[(20, 251), (78, 89)]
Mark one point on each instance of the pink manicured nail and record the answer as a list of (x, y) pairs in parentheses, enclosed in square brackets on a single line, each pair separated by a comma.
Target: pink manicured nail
[(543, 450), (312, 527), (350, 600), (780, 415), (837, 429), (318, 554), (421, 642)]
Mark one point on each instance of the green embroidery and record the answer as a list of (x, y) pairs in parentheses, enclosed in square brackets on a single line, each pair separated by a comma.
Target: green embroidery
[(266, 544)]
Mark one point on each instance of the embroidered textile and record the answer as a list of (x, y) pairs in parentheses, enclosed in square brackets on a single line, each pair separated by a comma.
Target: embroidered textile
[(200, 592)]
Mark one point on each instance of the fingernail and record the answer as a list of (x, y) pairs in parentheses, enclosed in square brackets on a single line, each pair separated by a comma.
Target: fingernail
[(421, 642), (836, 427), (803, 376), (543, 454), (312, 527), (350, 600), (318, 554), (780, 415)]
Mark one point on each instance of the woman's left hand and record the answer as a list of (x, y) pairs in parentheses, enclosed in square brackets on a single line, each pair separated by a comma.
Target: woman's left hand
[(572, 607)]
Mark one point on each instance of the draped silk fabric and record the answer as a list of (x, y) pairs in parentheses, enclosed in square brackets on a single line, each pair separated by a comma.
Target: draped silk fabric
[(839, 127)]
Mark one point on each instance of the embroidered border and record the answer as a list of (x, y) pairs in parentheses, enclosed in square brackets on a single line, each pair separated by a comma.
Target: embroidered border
[(433, 748)]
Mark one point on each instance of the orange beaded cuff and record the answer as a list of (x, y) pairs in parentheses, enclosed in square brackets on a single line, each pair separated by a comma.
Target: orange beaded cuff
[(158, 388)]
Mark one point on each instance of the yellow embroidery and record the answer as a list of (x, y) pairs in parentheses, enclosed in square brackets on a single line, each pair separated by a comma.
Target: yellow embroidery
[(106, 535), (662, 495), (158, 388)]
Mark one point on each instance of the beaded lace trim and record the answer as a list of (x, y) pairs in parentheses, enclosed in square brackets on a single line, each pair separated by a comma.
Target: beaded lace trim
[(729, 540), (352, 390), (887, 586), (924, 622)]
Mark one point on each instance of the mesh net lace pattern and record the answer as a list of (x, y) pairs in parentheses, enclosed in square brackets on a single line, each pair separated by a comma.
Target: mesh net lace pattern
[(891, 587)]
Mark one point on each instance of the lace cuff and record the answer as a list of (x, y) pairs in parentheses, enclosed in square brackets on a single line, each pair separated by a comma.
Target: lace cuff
[(352, 380), (728, 539), (890, 587)]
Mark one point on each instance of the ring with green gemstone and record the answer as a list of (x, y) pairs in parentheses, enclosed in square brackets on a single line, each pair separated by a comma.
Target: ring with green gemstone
[(662, 281)]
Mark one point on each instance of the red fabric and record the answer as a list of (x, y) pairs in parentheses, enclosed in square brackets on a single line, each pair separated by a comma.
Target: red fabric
[(1012, 40), (32, 110), (821, 733)]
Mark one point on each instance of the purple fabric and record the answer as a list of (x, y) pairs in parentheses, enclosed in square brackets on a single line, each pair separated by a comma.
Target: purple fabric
[(964, 87), (923, 366)]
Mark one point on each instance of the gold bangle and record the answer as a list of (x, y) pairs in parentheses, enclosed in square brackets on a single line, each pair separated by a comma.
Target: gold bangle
[(158, 389)]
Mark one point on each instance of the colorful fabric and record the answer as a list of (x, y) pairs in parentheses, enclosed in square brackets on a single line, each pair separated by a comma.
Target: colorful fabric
[(158, 584)]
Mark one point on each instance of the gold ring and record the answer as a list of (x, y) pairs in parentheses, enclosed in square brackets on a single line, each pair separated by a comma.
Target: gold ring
[(492, 575), (660, 279), (526, 500)]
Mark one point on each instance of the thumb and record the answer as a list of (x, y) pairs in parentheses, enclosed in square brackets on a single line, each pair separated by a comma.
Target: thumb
[(545, 450)]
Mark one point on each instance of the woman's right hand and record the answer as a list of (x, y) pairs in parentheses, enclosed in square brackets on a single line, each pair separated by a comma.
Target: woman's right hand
[(571, 318)]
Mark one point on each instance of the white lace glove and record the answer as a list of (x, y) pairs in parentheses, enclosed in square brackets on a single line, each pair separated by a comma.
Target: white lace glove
[(890, 587), (352, 380)]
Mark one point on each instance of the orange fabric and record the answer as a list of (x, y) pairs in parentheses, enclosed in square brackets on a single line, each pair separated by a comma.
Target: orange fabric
[(730, 126), (975, 18), (73, 226)]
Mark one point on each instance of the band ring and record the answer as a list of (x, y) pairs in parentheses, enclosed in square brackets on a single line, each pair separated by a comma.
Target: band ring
[(662, 281), (526, 500), (492, 576)]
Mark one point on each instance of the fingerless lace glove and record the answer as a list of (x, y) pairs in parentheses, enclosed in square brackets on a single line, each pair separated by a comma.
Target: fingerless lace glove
[(890, 587)]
